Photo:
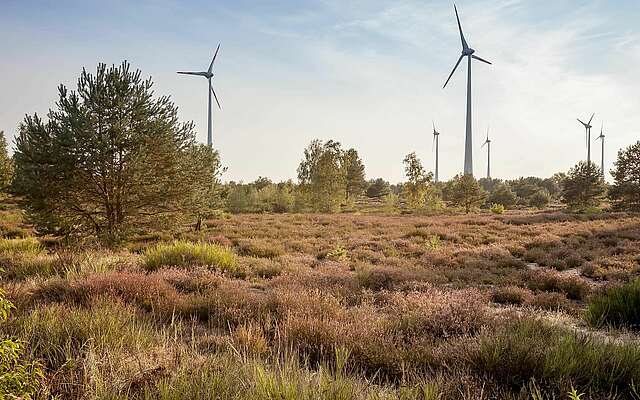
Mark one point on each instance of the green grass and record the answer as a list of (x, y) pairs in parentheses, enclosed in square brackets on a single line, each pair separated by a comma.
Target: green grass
[(618, 307), (24, 246), (185, 254)]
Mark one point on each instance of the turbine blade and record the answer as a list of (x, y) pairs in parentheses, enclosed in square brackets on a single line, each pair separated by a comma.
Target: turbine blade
[(214, 59), (214, 96), (434, 126), (592, 115), (454, 70), (480, 59), (464, 42), (579, 120), (192, 73)]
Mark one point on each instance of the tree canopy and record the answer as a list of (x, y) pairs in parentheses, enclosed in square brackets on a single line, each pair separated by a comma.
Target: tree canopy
[(583, 186), (625, 191), (6, 164), (110, 157)]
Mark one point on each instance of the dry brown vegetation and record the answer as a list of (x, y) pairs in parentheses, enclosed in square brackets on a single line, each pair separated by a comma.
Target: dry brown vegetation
[(332, 306)]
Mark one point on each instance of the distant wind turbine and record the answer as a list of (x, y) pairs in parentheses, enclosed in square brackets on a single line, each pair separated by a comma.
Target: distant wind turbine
[(208, 74), (488, 144), (469, 53), (601, 137), (587, 127), (436, 137)]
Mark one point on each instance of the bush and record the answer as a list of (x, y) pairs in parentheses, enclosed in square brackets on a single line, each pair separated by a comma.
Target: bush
[(18, 379), (618, 307), (185, 254), (511, 295), (497, 208)]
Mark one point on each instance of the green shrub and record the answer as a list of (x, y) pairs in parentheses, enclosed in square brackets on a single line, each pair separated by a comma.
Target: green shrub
[(338, 254), (617, 307), (497, 208), (185, 254), (511, 295), (18, 379)]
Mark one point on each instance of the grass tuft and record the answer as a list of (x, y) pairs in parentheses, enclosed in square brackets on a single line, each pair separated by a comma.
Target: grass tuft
[(185, 254)]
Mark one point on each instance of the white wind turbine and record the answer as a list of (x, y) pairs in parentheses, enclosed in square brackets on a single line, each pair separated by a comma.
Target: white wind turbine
[(587, 127), (209, 75), (436, 142), (469, 53), (601, 137), (488, 144)]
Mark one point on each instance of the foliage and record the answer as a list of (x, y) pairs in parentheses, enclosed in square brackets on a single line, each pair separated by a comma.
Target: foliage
[(6, 164), (185, 254), (111, 157), (322, 175), (625, 192), (354, 170), (18, 379), (378, 188), (466, 192), (584, 186), (540, 199), (618, 307), (417, 189), (497, 208), (502, 194)]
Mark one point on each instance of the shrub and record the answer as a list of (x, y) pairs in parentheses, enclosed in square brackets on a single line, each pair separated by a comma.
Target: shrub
[(497, 208), (18, 379), (511, 295), (260, 248), (338, 254), (617, 307), (185, 254)]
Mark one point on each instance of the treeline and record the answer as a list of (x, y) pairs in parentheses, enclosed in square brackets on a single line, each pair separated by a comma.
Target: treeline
[(111, 158)]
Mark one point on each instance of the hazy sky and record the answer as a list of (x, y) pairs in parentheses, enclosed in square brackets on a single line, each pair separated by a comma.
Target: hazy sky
[(367, 73)]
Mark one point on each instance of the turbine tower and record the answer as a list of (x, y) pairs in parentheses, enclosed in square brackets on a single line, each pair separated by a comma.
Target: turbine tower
[(488, 144), (208, 74), (469, 53), (587, 127), (601, 137), (436, 137)]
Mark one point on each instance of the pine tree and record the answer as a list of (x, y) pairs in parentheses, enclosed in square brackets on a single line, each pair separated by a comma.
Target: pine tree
[(466, 192), (6, 164), (584, 186), (354, 171), (625, 192), (111, 157)]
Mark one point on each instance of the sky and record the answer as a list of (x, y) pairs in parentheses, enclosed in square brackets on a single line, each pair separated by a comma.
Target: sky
[(367, 73)]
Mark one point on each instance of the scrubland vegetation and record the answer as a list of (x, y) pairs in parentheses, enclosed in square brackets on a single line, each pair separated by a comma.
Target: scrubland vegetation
[(131, 272), (271, 306)]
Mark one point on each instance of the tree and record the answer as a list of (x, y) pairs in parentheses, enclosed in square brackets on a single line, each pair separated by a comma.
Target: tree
[(6, 164), (111, 157), (625, 192), (322, 175), (354, 171), (502, 194), (584, 186), (378, 188), (466, 192), (417, 186)]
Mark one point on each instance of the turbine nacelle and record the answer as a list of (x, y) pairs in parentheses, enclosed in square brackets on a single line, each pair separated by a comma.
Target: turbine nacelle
[(468, 51)]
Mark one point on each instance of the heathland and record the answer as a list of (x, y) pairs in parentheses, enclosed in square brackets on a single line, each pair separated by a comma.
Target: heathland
[(520, 305)]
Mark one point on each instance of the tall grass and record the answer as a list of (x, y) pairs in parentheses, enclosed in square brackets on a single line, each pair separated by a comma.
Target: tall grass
[(185, 254), (618, 307), (23, 246)]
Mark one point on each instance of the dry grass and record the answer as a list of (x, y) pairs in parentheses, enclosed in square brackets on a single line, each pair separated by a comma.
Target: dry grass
[(331, 307)]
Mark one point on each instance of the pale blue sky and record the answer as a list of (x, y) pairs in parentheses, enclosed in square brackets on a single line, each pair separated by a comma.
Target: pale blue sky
[(368, 73)]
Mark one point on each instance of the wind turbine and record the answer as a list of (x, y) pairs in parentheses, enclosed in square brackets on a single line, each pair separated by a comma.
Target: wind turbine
[(601, 137), (587, 127), (208, 74), (488, 144), (436, 137), (469, 53)]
